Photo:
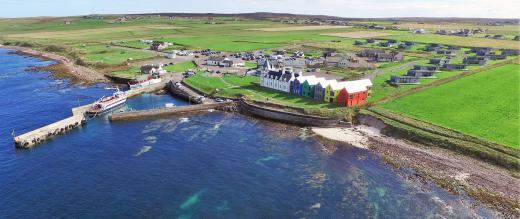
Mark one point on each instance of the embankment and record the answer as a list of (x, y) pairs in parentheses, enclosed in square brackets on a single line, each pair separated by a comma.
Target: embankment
[(432, 135), (278, 114)]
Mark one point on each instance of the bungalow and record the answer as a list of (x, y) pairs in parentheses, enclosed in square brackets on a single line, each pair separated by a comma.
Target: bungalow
[(404, 46), (510, 52), (354, 93), (474, 60), (433, 47), (426, 67), (439, 62), (386, 44), (404, 80), (160, 45), (319, 89), (378, 55), (152, 69), (389, 57), (295, 62), (453, 67), (346, 61), (370, 53), (447, 52), (296, 85), (308, 87), (420, 73), (409, 43), (483, 51), (278, 80), (219, 61)]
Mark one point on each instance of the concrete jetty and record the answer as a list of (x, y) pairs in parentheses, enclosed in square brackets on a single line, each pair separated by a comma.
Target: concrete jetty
[(152, 113), (78, 118), (29, 139)]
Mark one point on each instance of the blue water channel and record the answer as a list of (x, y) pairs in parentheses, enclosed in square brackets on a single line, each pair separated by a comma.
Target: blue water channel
[(209, 165)]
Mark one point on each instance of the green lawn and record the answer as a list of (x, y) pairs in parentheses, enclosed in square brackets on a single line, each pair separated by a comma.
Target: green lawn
[(133, 44), (130, 73), (251, 65), (382, 88), (111, 55), (484, 105), (232, 85), (181, 67)]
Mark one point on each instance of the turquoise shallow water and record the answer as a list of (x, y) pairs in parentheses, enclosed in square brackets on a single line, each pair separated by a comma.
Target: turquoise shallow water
[(211, 165)]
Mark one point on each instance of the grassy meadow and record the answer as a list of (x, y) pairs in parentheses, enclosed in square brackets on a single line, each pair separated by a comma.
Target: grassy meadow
[(484, 105), (181, 67)]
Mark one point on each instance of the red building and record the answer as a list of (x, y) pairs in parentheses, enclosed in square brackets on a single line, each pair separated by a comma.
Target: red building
[(353, 94)]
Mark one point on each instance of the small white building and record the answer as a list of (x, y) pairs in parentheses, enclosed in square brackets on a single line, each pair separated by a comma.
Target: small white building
[(219, 61)]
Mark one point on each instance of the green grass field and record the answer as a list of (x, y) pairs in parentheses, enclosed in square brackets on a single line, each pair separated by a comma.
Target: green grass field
[(484, 105), (112, 55), (181, 67)]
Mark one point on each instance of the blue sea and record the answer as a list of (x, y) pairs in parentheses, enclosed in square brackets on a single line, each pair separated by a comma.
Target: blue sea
[(209, 165)]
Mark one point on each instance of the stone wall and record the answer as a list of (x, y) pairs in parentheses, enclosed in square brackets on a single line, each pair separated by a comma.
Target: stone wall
[(285, 117)]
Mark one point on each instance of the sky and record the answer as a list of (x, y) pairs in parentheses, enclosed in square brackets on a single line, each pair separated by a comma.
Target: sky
[(342, 8)]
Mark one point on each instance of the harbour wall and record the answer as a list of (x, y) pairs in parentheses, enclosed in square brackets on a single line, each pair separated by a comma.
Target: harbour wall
[(32, 138), (285, 117), (153, 113)]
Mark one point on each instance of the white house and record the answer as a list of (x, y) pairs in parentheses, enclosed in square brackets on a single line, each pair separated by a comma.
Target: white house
[(278, 79), (219, 61)]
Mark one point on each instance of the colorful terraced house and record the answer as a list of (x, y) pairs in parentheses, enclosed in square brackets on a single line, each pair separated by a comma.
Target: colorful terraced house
[(296, 85), (354, 93), (308, 86)]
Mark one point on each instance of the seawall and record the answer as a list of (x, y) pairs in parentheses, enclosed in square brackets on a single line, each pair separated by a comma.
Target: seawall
[(285, 117), (153, 113)]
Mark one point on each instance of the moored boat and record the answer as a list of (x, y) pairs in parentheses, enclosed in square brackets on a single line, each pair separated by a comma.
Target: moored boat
[(106, 104)]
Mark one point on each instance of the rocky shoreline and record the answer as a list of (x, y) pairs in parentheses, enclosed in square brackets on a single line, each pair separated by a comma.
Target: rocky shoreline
[(491, 185), (63, 66)]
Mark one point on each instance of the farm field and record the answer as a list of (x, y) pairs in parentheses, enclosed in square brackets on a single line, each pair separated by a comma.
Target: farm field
[(279, 29), (484, 105), (360, 34)]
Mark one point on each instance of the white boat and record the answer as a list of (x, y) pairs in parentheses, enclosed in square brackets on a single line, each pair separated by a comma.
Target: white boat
[(106, 104), (143, 82)]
